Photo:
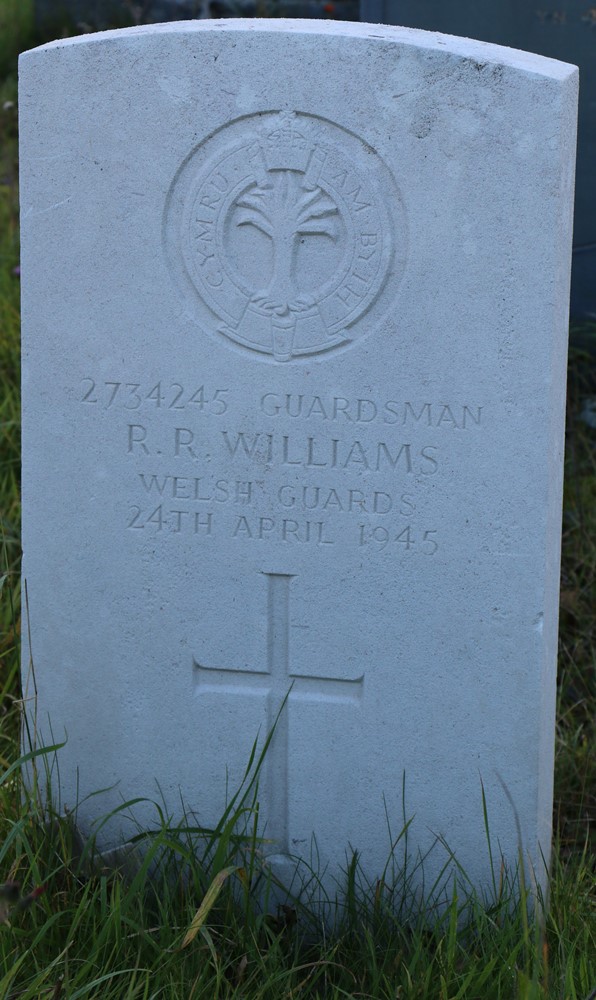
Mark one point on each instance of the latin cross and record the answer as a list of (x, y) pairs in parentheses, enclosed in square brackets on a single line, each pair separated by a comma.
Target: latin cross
[(275, 682)]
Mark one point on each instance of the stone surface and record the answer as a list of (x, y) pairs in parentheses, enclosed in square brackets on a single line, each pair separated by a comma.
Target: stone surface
[(564, 30), (294, 313)]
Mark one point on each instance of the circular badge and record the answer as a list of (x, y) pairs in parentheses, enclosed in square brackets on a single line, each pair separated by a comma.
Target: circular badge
[(288, 234)]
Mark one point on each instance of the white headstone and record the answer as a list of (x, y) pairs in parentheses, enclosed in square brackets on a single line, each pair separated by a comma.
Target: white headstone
[(294, 308)]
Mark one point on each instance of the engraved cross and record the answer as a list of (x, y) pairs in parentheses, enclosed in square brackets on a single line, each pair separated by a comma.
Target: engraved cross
[(275, 682)]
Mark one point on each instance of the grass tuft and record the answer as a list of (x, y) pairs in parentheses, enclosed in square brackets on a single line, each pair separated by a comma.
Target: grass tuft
[(168, 922)]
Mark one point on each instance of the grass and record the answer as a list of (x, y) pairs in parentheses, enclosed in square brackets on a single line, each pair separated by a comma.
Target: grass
[(16, 28), (187, 921), (575, 775)]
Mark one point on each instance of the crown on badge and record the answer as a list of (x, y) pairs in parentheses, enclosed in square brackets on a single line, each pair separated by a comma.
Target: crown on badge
[(285, 147)]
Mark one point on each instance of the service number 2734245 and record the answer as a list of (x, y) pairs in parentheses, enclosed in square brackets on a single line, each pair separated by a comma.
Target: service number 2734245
[(162, 395)]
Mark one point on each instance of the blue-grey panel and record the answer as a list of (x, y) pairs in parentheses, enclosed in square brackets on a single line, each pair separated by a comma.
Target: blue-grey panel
[(100, 14)]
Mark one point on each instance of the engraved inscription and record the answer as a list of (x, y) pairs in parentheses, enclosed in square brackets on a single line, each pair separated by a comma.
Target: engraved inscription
[(278, 682), (282, 469), (552, 16), (162, 395), (367, 411), (283, 229), (311, 453), (565, 17), (381, 537)]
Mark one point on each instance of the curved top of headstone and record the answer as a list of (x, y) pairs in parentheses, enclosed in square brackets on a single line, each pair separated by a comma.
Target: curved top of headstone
[(468, 48), (295, 303)]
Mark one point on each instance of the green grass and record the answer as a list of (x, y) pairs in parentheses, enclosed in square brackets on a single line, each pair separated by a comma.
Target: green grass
[(186, 921), (575, 775), (16, 29)]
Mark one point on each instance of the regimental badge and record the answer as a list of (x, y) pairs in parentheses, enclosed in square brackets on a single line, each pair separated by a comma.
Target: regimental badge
[(287, 229)]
